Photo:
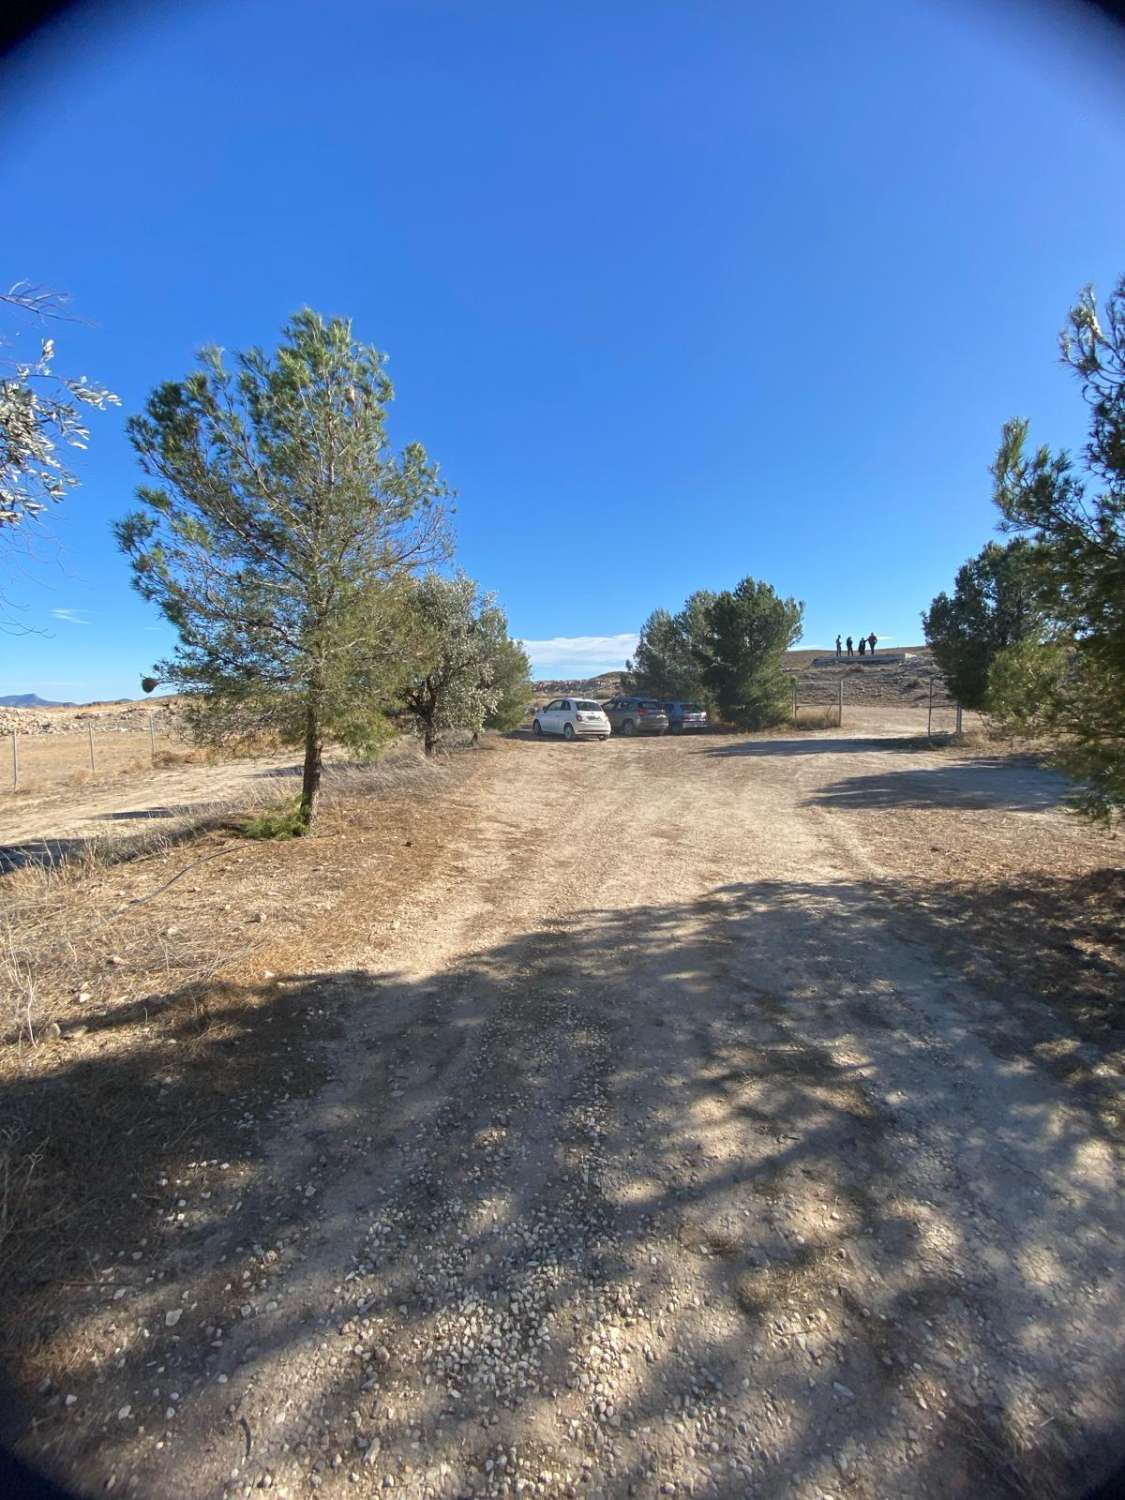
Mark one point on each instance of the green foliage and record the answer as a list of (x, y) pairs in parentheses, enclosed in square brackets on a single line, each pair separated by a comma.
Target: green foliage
[(39, 413), (1051, 689), (748, 630), (284, 822), (280, 537), (995, 604), (669, 657), (456, 635), (1075, 515), (511, 681)]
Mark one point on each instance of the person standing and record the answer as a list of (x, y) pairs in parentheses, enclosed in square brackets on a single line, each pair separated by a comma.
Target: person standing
[(837, 648), (871, 639), (849, 645), (862, 644)]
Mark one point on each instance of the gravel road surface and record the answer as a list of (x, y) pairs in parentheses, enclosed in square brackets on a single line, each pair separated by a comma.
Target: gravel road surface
[(656, 1157)]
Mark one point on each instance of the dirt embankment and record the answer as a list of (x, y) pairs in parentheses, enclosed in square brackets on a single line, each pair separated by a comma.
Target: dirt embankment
[(105, 718), (657, 1130), (871, 682)]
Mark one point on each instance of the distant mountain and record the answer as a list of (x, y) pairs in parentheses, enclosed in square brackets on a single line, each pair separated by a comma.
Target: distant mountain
[(30, 700)]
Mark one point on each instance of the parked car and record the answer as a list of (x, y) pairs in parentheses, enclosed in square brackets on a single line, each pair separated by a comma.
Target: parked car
[(636, 716), (683, 716), (573, 718)]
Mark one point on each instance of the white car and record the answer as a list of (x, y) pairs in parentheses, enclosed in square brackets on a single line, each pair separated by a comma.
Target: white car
[(573, 718)]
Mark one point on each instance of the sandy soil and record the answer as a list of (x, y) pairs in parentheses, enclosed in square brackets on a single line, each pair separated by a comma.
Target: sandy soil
[(665, 1141), (42, 825)]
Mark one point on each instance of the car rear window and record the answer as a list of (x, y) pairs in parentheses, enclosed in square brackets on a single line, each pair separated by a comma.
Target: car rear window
[(693, 708), (651, 703), (587, 706)]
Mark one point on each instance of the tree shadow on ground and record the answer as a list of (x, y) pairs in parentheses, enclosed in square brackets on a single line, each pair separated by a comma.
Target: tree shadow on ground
[(38, 852), (825, 745), (991, 781), (457, 1213)]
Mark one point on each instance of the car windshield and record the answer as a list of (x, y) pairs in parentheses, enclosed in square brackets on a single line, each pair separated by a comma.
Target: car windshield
[(587, 706)]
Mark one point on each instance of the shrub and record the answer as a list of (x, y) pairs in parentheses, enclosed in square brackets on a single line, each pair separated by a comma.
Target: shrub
[(283, 822)]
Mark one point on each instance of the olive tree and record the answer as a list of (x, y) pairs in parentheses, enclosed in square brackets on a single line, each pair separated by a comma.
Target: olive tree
[(456, 634), (41, 412), (510, 668), (279, 536)]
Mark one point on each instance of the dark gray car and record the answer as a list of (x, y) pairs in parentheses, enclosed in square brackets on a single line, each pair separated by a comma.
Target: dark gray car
[(636, 716), (682, 716)]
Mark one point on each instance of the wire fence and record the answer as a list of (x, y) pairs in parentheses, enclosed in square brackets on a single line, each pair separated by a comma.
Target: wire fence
[(932, 708), (39, 762)]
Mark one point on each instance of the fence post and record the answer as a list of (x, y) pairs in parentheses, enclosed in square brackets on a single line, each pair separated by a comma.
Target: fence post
[(15, 760), (90, 736), (152, 737), (794, 700), (958, 719), (840, 720), (930, 713)]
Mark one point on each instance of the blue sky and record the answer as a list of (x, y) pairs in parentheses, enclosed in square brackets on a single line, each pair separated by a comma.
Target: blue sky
[(673, 292)]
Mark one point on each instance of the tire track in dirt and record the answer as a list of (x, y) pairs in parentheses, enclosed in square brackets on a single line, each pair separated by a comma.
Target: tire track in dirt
[(656, 1160)]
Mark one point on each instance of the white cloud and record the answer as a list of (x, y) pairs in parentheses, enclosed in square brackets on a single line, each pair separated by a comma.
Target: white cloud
[(580, 655), (71, 616)]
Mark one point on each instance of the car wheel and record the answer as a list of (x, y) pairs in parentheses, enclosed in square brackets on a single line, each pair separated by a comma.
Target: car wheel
[(568, 731), (537, 729), (603, 738), (627, 727)]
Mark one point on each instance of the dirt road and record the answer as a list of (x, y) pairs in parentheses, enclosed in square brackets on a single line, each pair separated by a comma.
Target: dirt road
[(662, 1152)]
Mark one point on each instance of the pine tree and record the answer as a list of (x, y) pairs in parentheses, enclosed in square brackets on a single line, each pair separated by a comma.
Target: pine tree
[(278, 538)]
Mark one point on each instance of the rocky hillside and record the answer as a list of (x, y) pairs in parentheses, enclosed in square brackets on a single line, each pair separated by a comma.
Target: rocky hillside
[(107, 718), (904, 680)]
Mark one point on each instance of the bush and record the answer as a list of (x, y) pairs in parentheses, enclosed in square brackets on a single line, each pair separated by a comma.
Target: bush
[(283, 822)]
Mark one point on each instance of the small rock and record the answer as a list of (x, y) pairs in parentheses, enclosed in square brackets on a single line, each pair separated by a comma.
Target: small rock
[(124, 1413), (52, 1030), (173, 1317)]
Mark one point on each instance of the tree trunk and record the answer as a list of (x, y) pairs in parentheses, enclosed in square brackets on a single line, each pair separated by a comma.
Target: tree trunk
[(429, 738), (310, 783)]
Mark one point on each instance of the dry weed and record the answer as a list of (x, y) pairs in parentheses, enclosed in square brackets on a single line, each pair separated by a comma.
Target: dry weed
[(149, 1011)]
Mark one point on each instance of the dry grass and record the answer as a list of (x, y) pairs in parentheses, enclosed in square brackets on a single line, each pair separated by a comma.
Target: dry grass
[(137, 979), (54, 762), (816, 717)]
